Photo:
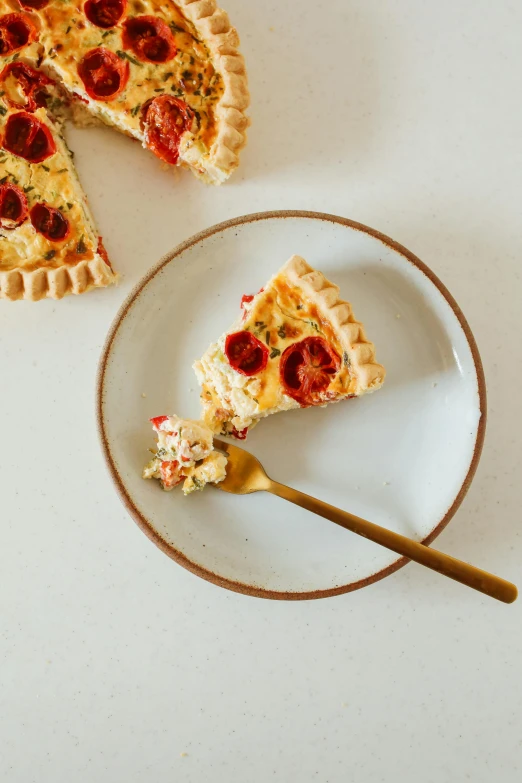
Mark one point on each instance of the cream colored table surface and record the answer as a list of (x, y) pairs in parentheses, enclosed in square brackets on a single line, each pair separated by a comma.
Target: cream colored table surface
[(118, 665)]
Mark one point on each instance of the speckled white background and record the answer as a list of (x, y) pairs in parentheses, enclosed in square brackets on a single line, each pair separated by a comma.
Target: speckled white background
[(115, 662)]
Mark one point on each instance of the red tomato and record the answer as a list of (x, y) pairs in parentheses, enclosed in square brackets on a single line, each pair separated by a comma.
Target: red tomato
[(103, 73), (306, 370), (170, 474), (49, 222), (165, 119), (31, 81), (157, 420), (16, 31), (33, 5), (103, 253), (13, 206), (104, 13), (246, 353), (28, 137), (239, 434), (150, 38)]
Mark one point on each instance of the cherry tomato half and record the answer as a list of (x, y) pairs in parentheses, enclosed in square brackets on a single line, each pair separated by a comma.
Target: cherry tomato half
[(33, 5), (49, 222), (31, 82), (307, 368), (245, 353), (150, 38), (13, 206), (103, 73), (165, 120), (28, 137), (16, 31), (104, 13)]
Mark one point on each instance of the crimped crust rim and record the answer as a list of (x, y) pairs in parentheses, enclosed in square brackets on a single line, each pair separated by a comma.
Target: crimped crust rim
[(213, 24), (55, 283), (350, 332)]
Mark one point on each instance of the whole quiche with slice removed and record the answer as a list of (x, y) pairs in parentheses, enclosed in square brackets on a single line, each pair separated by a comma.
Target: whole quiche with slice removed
[(168, 74)]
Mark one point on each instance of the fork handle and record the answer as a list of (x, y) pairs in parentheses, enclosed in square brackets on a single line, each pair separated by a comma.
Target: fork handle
[(484, 582)]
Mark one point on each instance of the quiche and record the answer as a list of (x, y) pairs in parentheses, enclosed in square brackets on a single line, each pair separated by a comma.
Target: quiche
[(168, 74), (296, 344), (184, 452)]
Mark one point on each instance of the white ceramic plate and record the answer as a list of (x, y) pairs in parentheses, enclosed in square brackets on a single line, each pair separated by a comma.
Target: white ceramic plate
[(402, 457)]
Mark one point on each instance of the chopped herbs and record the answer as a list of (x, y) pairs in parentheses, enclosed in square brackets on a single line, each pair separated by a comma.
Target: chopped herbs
[(49, 255), (106, 33), (3, 110), (282, 332), (60, 171), (186, 75), (69, 205), (167, 75), (81, 247), (275, 352), (161, 453), (175, 28), (3, 180), (28, 189), (346, 359), (70, 28), (159, 89), (299, 306), (197, 92), (46, 168), (267, 337), (314, 325), (199, 484), (136, 109), (125, 56)]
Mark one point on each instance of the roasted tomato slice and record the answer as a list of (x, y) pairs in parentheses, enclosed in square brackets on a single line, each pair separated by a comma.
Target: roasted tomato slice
[(33, 5), (27, 137), (103, 73), (16, 31), (18, 77), (13, 206), (246, 353), (306, 370), (169, 472), (150, 38), (104, 13), (165, 119), (50, 222)]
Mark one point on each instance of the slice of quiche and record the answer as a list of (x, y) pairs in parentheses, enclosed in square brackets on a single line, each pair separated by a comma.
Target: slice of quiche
[(295, 345), (49, 245)]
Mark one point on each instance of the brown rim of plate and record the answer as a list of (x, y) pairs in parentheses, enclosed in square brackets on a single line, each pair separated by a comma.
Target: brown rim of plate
[(144, 524)]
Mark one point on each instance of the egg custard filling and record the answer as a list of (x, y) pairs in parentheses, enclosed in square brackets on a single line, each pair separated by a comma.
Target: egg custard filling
[(296, 344), (184, 453)]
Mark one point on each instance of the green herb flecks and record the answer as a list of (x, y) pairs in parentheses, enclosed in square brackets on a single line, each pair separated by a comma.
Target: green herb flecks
[(267, 337), (3, 110), (125, 56), (275, 352), (69, 205), (299, 306), (198, 483), (282, 332), (81, 247), (346, 359), (46, 168), (175, 28), (49, 255), (136, 109), (61, 171), (106, 33), (28, 189), (167, 75)]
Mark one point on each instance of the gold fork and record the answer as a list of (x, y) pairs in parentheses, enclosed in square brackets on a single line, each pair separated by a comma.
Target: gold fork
[(245, 474)]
